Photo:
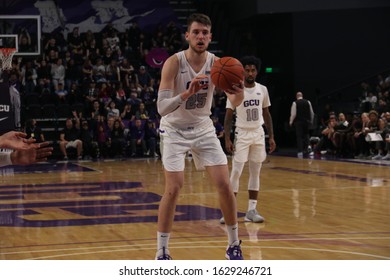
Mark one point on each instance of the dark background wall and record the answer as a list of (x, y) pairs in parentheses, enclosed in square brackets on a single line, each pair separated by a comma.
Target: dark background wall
[(335, 48), (317, 47)]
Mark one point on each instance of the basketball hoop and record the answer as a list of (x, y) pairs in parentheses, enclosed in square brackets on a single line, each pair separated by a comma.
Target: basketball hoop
[(6, 55)]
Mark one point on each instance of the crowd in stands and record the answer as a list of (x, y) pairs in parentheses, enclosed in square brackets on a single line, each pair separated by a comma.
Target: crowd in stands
[(110, 92), (106, 84), (364, 134)]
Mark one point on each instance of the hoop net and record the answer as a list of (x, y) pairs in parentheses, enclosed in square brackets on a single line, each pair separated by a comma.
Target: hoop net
[(6, 55)]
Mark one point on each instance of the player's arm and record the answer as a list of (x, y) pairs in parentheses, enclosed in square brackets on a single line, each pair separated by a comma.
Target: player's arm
[(270, 130), (293, 113), (227, 129), (166, 102)]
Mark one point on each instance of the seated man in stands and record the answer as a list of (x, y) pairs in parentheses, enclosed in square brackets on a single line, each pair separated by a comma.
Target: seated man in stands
[(137, 137), (341, 129), (375, 125), (386, 136), (326, 142), (70, 137)]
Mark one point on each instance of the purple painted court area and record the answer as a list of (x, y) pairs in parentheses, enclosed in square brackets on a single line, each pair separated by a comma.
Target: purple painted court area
[(45, 168), (89, 204)]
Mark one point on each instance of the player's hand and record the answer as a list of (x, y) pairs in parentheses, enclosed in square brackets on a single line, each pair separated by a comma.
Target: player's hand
[(229, 146), (236, 89), (272, 145), (16, 140), (32, 155), (198, 83), (236, 94)]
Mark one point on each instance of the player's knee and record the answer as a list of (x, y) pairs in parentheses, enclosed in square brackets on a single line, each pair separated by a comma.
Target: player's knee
[(237, 169)]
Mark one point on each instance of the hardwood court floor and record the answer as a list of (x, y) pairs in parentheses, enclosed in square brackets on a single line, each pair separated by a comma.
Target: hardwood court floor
[(314, 209)]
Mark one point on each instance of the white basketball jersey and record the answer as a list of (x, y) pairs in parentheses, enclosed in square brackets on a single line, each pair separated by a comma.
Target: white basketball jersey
[(249, 114), (195, 111)]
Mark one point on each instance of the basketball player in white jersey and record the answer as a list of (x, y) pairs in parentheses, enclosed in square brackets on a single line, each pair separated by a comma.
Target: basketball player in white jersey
[(184, 102), (249, 139)]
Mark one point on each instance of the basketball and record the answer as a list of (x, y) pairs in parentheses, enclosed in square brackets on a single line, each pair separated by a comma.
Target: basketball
[(226, 72)]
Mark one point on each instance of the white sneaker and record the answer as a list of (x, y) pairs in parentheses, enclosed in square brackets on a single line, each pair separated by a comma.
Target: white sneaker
[(386, 157), (377, 157), (222, 221), (253, 216)]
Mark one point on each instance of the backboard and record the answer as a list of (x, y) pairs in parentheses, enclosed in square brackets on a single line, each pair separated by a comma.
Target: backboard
[(27, 29)]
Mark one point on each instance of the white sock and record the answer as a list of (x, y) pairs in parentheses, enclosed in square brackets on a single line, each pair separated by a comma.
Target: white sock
[(232, 234), (162, 240), (252, 204)]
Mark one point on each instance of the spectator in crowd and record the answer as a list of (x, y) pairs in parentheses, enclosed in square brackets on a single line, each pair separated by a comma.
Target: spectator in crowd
[(151, 138), (75, 42), (113, 71), (102, 139), (362, 147), (386, 136), (375, 125), (326, 141), (44, 74), (141, 113), (75, 95), (58, 73), (70, 137), (51, 45), (120, 96), (125, 69), (99, 70), (90, 147), (91, 95), (133, 100), (34, 131), (117, 139), (72, 74), (87, 70), (145, 79), (137, 137), (350, 143), (61, 92), (339, 135), (29, 77), (25, 44), (382, 106), (104, 94), (127, 113), (112, 111), (52, 57)]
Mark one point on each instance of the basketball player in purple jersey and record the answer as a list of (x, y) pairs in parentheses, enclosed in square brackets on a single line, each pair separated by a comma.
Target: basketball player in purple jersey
[(184, 102)]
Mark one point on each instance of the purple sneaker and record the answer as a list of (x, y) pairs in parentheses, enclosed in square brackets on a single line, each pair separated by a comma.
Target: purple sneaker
[(165, 255), (234, 252)]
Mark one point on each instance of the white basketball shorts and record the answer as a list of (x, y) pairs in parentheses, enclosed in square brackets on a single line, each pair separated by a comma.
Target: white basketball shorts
[(201, 141), (249, 144)]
